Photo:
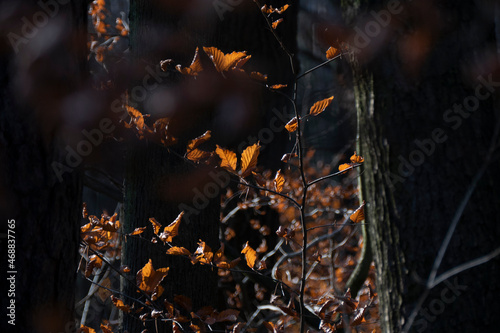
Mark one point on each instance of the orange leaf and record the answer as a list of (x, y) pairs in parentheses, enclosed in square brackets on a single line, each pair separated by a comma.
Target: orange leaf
[(148, 278), (320, 106), (258, 76), (223, 62), (359, 214), (94, 262), (119, 304), (291, 126), (199, 140), (282, 9), (156, 225), (267, 10), (106, 328), (279, 181), (250, 255), (357, 159), (176, 328), (332, 52), (196, 154), (178, 251), (194, 68), (137, 231), (249, 159), (228, 158), (172, 230), (85, 329), (278, 86), (344, 166), (275, 23), (241, 62)]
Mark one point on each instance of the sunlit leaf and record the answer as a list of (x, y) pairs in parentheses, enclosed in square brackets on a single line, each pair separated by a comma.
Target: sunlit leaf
[(85, 329), (278, 86), (344, 166), (241, 62), (320, 106), (250, 255), (275, 23), (156, 225), (267, 10), (176, 328), (223, 62), (194, 68), (282, 9), (119, 304), (178, 251), (199, 140), (332, 52), (279, 181), (172, 230), (148, 278), (106, 328), (249, 159), (196, 155), (94, 262), (359, 214), (258, 76), (137, 231), (228, 159), (357, 159), (291, 126)]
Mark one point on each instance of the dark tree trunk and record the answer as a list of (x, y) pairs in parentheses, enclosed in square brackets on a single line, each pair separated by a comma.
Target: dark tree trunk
[(425, 132), (41, 67)]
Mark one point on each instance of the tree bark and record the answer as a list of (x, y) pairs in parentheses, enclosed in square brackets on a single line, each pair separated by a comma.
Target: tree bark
[(425, 133), (41, 67)]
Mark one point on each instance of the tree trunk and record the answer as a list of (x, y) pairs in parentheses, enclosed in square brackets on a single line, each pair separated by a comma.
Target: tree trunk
[(42, 66), (427, 120)]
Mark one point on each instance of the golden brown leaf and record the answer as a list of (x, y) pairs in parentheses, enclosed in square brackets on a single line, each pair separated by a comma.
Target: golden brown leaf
[(148, 279), (156, 225), (137, 231), (282, 9), (320, 106), (250, 255), (106, 328), (176, 328), (223, 62), (249, 159), (194, 68), (228, 159), (344, 166), (120, 305), (267, 10), (291, 126), (278, 86), (178, 251), (85, 329), (94, 262), (279, 181), (275, 23), (359, 214), (357, 159), (172, 230), (241, 62), (258, 76), (196, 155), (332, 52), (199, 140)]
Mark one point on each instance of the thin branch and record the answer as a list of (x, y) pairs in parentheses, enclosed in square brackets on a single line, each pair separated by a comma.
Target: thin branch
[(268, 190), (465, 266), (333, 174), (319, 66)]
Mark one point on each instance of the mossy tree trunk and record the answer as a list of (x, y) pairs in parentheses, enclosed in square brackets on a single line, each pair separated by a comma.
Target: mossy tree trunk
[(427, 120)]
